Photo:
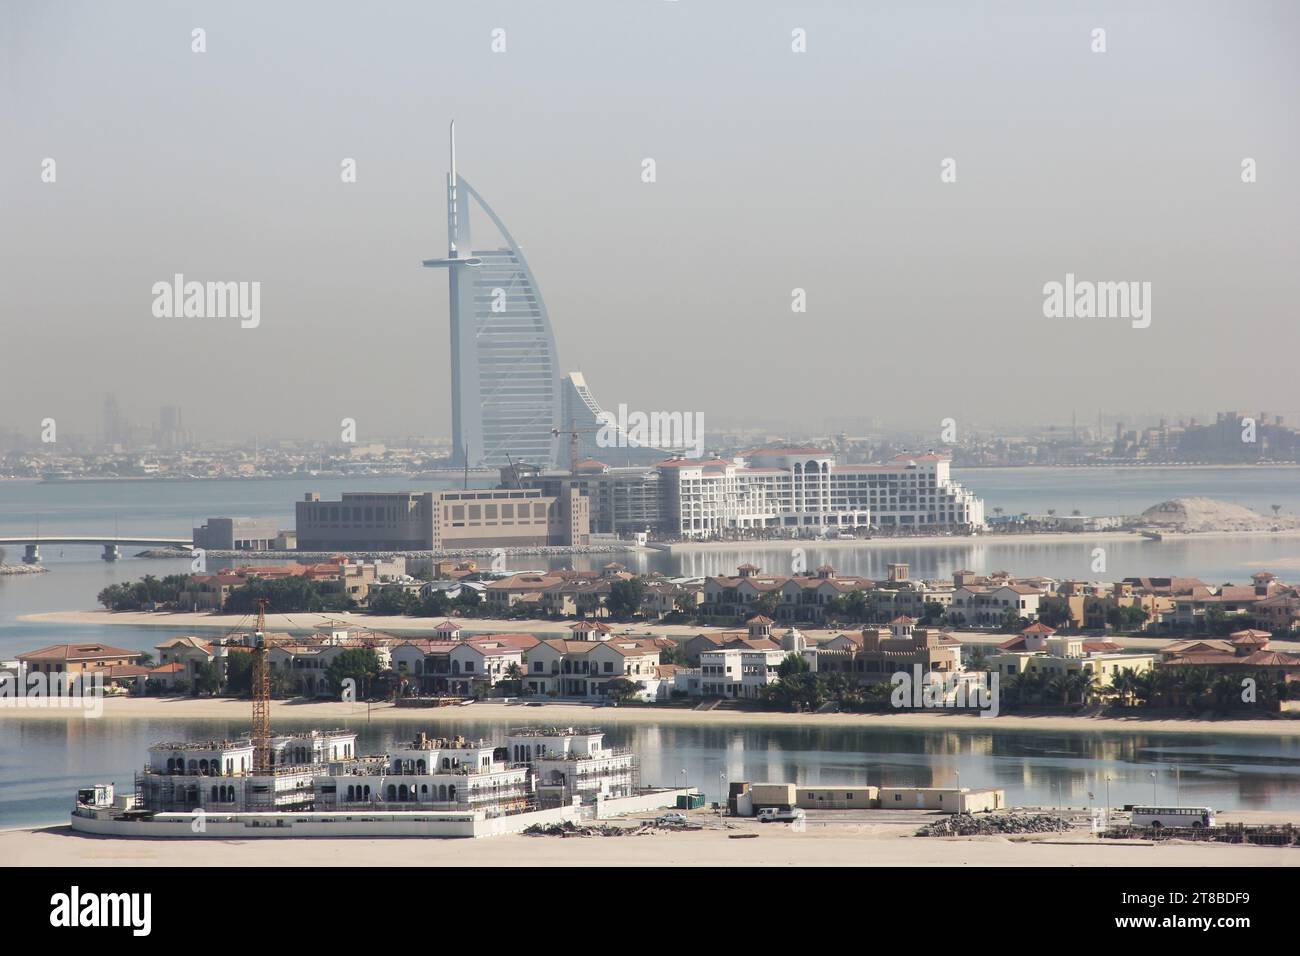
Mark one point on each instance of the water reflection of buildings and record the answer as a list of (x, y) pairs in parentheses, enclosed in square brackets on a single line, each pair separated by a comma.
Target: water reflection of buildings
[(1033, 767)]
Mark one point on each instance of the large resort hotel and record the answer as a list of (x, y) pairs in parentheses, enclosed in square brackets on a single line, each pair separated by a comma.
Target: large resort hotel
[(509, 402), (799, 488)]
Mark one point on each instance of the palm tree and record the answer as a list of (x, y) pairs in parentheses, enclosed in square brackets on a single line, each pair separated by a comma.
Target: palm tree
[(1017, 688), (1084, 684), (1026, 687), (1276, 509), (1060, 686), (1224, 692), (1195, 682), (1123, 684)]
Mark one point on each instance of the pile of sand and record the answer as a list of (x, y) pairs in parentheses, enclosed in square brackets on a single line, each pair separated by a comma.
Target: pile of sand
[(1207, 514)]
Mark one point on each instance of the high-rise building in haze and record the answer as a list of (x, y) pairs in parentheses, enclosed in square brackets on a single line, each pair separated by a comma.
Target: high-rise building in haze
[(170, 435), (116, 429), (508, 402), (505, 380)]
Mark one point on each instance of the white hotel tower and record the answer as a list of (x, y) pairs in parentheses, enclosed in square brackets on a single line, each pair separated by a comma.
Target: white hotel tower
[(803, 491)]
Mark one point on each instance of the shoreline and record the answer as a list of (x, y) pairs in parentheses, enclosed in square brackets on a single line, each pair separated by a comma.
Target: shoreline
[(397, 625), (412, 627), (930, 540), (325, 713)]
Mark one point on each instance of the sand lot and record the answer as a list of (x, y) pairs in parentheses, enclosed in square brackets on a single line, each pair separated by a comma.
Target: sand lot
[(335, 713), (868, 843)]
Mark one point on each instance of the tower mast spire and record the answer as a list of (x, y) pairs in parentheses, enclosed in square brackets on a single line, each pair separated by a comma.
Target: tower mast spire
[(452, 201)]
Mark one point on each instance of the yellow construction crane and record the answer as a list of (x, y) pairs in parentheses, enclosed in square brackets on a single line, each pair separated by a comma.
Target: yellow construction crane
[(261, 695), (573, 432)]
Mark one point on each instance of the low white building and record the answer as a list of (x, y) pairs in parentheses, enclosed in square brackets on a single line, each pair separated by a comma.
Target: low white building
[(428, 773), (219, 775), (571, 763), (738, 671)]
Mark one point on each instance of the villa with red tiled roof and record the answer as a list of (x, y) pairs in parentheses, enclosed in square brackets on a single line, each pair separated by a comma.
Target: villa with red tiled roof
[(591, 631), (116, 667), (1194, 609), (1244, 651), (1032, 638), (75, 659)]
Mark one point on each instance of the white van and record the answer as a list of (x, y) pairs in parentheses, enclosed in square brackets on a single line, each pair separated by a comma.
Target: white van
[(771, 814)]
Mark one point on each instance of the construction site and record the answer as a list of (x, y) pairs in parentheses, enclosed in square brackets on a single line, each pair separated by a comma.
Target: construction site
[(277, 784)]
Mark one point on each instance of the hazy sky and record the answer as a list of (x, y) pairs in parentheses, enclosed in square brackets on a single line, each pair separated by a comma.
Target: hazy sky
[(775, 170)]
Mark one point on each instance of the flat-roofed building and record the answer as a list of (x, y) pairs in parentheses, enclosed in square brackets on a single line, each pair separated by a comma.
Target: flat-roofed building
[(620, 500), (428, 773), (804, 491), (442, 520), (219, 775), (945, 799), (238, 534), (571, 764)]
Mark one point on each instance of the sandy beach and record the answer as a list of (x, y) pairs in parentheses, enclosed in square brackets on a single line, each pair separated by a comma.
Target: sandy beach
[(336, 713), (302, 622), (414, 626), (823, 843)]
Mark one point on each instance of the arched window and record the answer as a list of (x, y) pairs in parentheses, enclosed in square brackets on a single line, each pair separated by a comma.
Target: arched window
[(419, 766), (403, 794), (442, 792), (451, 792), (392, 792), (214, 793)]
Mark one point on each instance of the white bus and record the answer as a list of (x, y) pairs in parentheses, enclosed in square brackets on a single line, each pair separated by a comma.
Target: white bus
[(1173, 816)]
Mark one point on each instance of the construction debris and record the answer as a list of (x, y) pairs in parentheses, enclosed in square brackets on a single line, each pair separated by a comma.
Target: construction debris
[(964, 824), (568, 828)]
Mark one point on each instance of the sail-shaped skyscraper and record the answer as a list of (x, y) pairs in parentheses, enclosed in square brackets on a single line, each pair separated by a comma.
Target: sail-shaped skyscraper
[(505, 380), (509, 402)]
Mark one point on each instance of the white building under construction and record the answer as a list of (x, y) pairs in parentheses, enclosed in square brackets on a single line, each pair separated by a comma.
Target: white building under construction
[(322, 771)]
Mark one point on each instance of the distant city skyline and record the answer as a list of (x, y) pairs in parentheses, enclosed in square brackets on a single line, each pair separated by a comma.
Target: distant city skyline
[(774, 171), (144, 426)]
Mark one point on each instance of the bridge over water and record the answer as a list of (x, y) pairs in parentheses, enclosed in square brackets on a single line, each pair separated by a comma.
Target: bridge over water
[(110, 543)]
